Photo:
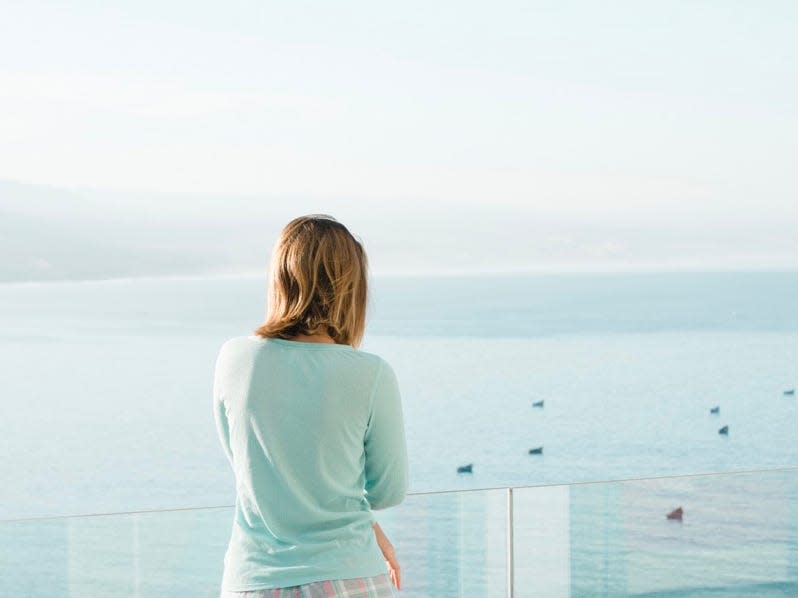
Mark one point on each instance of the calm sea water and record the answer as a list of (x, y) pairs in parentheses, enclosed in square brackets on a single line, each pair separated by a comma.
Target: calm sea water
[(107, 404)]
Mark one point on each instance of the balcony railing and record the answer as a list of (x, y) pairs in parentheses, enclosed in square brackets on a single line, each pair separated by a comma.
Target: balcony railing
[(738, 536)]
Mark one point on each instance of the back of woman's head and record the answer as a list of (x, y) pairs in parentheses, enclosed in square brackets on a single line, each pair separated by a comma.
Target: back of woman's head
[(317, 282)]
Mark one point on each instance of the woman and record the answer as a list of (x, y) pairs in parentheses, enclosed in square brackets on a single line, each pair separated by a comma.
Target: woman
[(312, 428)]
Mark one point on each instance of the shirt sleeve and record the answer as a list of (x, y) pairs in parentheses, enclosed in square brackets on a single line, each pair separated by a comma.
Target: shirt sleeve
[(219, 410), (385, 445)]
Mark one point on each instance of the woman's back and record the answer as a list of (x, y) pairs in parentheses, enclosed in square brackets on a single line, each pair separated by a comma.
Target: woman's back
[(306, 427)]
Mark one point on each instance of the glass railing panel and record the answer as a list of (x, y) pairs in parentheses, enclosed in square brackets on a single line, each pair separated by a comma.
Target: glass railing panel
[(542, 551), (738, 536), (451, 544), (137, 555)]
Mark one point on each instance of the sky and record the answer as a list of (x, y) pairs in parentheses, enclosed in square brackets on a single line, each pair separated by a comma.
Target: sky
[(451, 136)]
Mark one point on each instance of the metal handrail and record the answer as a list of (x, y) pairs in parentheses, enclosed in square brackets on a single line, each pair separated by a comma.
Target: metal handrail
[(508, 489)]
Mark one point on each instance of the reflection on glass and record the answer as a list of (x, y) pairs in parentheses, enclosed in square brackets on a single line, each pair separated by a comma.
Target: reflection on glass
[(738, 536)]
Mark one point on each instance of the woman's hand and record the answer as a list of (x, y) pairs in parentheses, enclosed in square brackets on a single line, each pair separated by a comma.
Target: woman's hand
[(390, 556)]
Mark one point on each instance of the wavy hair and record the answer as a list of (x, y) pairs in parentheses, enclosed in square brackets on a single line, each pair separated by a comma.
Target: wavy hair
[(317, 282)]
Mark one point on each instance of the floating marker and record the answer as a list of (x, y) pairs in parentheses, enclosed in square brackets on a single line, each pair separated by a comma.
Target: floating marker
[(675, 514)]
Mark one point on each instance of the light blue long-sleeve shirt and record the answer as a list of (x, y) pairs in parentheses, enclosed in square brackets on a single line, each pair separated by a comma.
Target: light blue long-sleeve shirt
[(315, 436)]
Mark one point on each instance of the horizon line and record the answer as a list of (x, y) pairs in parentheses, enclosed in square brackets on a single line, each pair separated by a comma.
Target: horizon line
[(421, 273)]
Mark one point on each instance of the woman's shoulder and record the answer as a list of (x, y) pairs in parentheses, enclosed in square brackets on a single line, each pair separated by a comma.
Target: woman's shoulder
[(257, 340), (251, 341), (375, 360), (234, 347), (234, 341), (378, 365)]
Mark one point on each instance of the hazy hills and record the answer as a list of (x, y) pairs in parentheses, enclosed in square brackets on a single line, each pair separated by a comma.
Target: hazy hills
[(54, 234), (49, 233)]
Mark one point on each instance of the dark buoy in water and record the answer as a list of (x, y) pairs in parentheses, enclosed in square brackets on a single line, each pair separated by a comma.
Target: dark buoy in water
[(466, 468), (675, 514), (789, 393), (537, 404), (536, 451), (715, 410), (724, 430)]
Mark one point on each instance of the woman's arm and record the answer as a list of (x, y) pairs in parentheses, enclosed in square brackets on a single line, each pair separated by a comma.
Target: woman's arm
[(384, 444), (390, 556), (219, 410)]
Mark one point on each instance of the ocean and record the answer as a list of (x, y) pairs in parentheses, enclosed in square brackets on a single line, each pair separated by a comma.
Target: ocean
[(108, 408)]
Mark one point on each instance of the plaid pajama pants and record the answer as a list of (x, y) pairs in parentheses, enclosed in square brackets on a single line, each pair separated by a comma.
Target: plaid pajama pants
[(378, 586)]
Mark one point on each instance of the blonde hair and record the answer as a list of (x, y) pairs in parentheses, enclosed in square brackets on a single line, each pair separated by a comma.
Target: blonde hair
[(317, 282)]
